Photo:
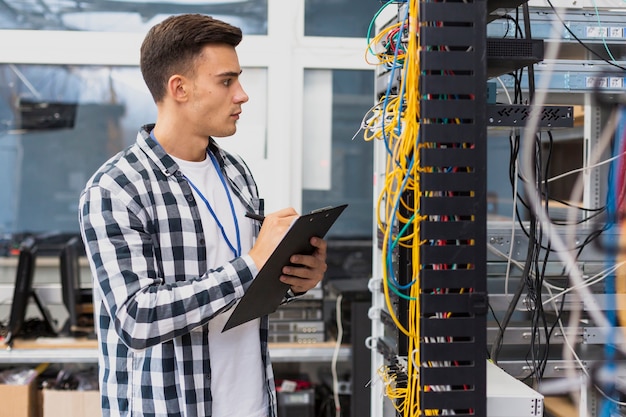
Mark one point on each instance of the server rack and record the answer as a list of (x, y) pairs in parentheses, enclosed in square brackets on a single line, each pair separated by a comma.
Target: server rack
[(453, 89), (446, 209)]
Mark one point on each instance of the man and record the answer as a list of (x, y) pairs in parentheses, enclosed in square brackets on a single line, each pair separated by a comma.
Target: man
[(170, 248)]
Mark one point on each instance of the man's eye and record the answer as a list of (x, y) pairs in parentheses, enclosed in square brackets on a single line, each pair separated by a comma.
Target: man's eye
[(227, 82)]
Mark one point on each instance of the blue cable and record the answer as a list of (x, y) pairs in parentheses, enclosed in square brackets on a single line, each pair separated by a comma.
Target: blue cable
[(391, 243), (608, 407)]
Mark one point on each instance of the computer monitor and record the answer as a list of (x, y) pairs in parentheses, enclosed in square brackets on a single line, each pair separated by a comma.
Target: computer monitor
[(78, 300), (23, 291)]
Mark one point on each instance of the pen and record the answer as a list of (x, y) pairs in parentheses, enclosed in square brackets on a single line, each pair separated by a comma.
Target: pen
[(255, 216)]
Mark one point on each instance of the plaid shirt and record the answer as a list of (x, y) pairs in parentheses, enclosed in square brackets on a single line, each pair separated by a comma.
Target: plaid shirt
[(152, 285)]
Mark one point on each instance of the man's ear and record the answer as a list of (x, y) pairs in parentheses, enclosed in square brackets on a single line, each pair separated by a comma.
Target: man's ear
[(177, 87)]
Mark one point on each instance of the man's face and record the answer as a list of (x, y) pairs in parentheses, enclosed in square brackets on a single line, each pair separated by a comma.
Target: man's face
[(216, 95)]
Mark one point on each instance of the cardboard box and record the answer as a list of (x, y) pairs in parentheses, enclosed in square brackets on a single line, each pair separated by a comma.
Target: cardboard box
[(65, 403), (20, 400)]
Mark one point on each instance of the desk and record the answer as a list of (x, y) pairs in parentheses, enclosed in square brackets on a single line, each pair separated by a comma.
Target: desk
[(70, 350)]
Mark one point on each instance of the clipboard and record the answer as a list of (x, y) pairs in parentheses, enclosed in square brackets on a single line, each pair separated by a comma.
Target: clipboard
[(267, 292)]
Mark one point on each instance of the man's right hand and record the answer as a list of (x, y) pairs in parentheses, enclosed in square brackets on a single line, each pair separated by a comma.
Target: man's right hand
[(274, 227)]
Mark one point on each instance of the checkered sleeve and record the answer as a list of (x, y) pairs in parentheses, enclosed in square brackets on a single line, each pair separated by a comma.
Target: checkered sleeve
[(147, 306)]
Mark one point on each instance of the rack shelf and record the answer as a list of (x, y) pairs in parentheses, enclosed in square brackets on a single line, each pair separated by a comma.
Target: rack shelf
[(68, 350)]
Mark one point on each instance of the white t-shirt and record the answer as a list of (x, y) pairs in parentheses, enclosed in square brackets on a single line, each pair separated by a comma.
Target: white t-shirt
[(237, 371)]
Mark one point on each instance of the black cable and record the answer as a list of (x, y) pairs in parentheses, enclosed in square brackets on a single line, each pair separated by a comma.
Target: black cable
[(581, 42), (535, 284), (537, 352), (514, 142), (497, 344), (556, 322), (493, 313), (531, 68), (539, 317), (517, 90), (518, 28)]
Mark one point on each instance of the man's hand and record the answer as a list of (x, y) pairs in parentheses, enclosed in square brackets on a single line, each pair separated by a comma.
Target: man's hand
[(307, 270), (274, 227)]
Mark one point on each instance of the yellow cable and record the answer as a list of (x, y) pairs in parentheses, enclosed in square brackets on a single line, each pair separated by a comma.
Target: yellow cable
[(377, 43), (396, 119)]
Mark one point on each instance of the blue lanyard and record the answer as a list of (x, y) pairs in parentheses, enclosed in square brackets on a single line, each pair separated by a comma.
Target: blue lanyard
[(236, 252)]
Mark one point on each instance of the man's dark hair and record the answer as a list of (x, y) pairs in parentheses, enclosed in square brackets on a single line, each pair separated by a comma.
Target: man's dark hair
[(171, 46)]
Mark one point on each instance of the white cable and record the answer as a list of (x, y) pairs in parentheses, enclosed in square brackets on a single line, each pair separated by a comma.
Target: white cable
[(513, 216), (566, 340), (579, 361), (577, 191), (535, 205), (508, 96), (557, 386), (562, 291), (533, 195), (575, 275), (519, 265), (588, 282), (587, 168), (333, 368)]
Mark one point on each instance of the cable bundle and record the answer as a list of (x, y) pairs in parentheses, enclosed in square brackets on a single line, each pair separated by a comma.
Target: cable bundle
[(395, 121), (429, 213)]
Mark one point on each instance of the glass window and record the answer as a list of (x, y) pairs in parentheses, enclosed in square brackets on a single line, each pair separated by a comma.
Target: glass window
[(339, 18), (351, 163), (126, 15), (59, 123)]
